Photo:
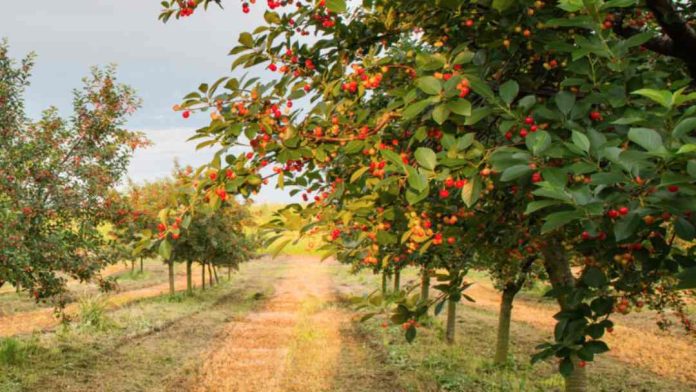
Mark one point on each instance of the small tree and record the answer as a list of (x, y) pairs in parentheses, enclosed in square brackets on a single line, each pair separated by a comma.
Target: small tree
[(56, 177)]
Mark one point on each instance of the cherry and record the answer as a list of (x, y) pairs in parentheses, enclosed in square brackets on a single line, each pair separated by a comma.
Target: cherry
[(451, 240), (460, 183), (536, 177), (529, 121), (623, 210), (449, 183), (444, 193), (613, 214), (212, 176), (186, 114), (523, 132), (586, 235), (595, 116), (273, 67), (582, 364), (673, 188), (508, 135)]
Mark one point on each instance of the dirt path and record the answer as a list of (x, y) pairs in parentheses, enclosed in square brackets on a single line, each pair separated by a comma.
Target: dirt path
[(44, 319), (293, 344), (656, 351)]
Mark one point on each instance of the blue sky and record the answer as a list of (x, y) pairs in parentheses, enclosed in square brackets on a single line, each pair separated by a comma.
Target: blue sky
[(163, 62)]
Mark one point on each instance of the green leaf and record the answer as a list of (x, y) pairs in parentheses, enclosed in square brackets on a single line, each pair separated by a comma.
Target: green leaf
[(271, 17), (275, 251), (559, 219), (570, 5), (502, 5), (625, 227), (426, 158), (416, 180), (687, 279), (415, 109), (165, 249), (441, 114), (429, 85), (336, 6), (594, 277), (410, 334), (509, 91), (463, 57), (580, 140), (566, 367), (687, 148), (618, 4), (515, 172), (358, 173), (246, 39), (565, 102), (471, 191), (385, 238), (684, 229), (596, 346), (461, 107), (684, 127), (538, 142), (540, 204), (647, 138), (663, 97)]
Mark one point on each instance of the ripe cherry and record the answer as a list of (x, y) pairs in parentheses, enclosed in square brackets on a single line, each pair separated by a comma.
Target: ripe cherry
[(673, 188), (586, 235), (595, 116), (623, 210), (582, 364), (451, 240), (460, 183), (186, 114), (444, 193), (613, 214), (536, 177)]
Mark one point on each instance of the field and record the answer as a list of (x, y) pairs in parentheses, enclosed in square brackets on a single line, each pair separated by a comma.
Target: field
[(286, 324)]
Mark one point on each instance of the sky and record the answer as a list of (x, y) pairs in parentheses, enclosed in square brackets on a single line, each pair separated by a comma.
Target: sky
[(162, 62)]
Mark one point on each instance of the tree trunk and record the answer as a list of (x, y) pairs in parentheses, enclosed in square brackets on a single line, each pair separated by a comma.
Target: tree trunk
[(189, 283), (425, 285), (217, 280), (451, 320), (132, 267), (170, 264), (384, 283), (502, 346), (210, 275), (202, 276), (397, 281), (558, 268), (18, 287), (229, 272), (141, 265)]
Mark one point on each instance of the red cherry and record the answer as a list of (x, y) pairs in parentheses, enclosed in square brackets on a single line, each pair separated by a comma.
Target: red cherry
[(186, 114), (212, 176), (469, 23), (273, 67), (523, 132), (449, 183), (595, 116), (586, 236), (582, 364), (613, 214), (673, 188), (623, 210), (529, 121), (444, 193), (460, 183), (536, 177), (451, 240), (508, 135)]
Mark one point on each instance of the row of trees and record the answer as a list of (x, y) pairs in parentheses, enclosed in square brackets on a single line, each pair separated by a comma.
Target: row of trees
[(212, 240), (552, 140), (61, 213)]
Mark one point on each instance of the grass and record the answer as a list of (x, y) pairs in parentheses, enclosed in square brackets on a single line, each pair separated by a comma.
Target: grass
[(145, 345), (428, 364)]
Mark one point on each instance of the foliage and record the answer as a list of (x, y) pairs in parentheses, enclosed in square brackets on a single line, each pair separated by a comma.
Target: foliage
[(56, 176), (558, 131)]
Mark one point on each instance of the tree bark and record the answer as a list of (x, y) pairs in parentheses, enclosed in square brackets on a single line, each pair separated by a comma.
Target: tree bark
[(502, 346), (451, 320), (397, 281), (170, 265), (202, 276), (425, 284), (229, 272), (557, 267), (217, 279), (189, 283), (384, 283), (210, 275), (132, 267), (141, 265)]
